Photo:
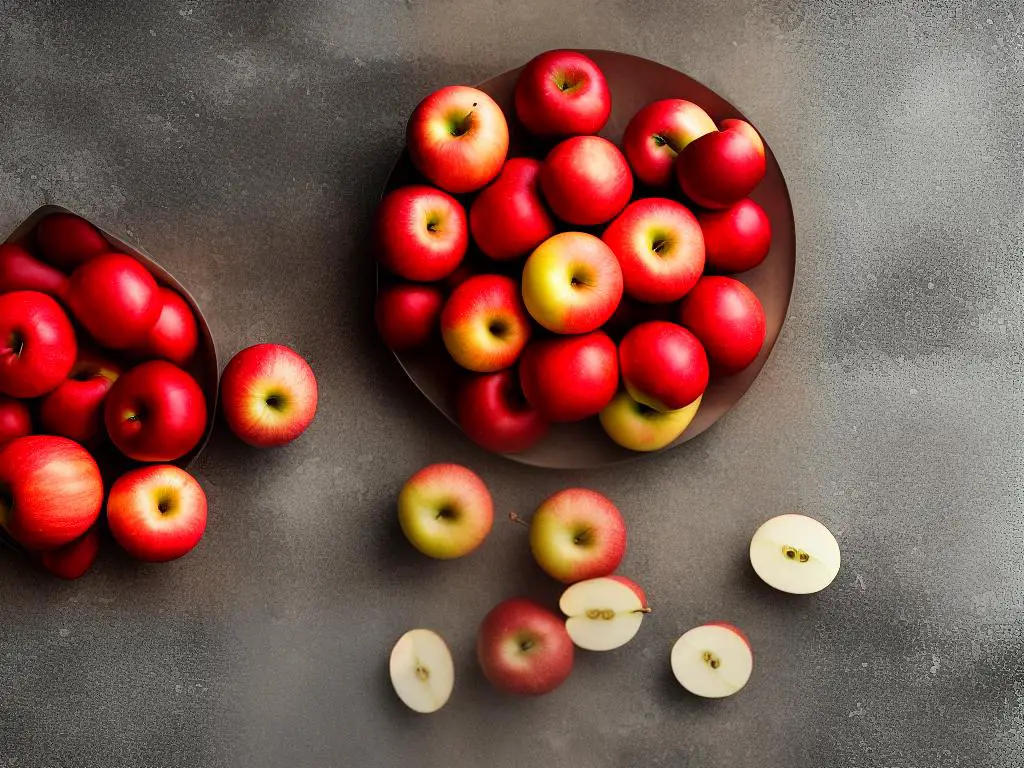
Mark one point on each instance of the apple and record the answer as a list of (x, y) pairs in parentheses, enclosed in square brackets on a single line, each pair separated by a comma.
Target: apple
[(157, 513), (572, 283), (408, 315), (713, 660), (728, 319), (445, 511), (115, 298), (458, 138), (508, 219), (571, 377), (604, 613), (795, 553), (663, 365), (50, 491), (577, 534), (15, 419), (175, 335), (484, 324), (155, 413), (75, 408), (639, 427), (658, 133), (269, 395), (68, 241), (586, 180), (421, 233), (722, 167), (737, 238), (422, 670), (494, 414), (73, 560), (523, 648), (562, 93), (37, 344), (660, 247), (21, 271)]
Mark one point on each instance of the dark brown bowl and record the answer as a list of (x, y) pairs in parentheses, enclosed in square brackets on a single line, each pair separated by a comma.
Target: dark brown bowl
[(634, 82)]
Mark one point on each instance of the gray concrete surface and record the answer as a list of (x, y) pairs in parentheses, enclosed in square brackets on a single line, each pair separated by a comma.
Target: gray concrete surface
[(243, 144)]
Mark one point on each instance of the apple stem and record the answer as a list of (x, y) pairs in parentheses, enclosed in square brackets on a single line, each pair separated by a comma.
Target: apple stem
[(517, 519), (643, 610)]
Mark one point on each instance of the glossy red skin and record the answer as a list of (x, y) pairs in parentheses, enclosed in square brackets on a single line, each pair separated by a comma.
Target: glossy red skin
[(736, 239), (175, 335), (15, 419), (75, 408), (728, 319), (155, 412), (408, 315), (720, 168), (21, 271), (653, 161), (73, 560), (494, 414), (663, 365), (570, 378), (586, 180), (54, 489), (406, 245), (471, 308), (508, 219), (546, 110), (115, 298), (68, 241), (48, 345)]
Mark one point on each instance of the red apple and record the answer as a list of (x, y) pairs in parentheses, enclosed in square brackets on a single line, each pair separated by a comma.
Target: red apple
[(269, 394), (37, 344), (508, 219), (421, 233), (586, 180), (155, 412), (15, 419), (408, 315), (728, 319), (571, 377), (577, 534), (736, 239), (50, 491), (658, 133), (115, 298), (663, 366), (484, 324), (73, 560), (175, 335), (445, 510), (660, 247), (157, 513), (494, 414), (562, 93), (68, 241), (75, 408), (722, 167), (458, 138), (21, 271), (523, 648)]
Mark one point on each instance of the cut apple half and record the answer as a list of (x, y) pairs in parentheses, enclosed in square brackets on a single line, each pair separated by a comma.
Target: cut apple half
[(795, 553), (422, 670), (713, 660), (603, 613)]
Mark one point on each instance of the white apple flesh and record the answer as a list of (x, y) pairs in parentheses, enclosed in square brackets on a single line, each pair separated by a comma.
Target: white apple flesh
[(422, 670), (603, 613), (713, 660), (795, 553)]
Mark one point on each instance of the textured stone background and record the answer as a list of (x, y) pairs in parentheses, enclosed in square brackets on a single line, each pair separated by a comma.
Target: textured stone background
[(243, 144)]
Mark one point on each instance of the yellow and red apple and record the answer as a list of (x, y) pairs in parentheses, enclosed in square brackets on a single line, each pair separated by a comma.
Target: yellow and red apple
[(445, 511), (577, 534), (658, 133), (484, 324), (639, 427)]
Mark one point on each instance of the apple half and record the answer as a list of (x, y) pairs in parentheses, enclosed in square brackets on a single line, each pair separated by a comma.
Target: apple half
[(603, 613), (713, 660), (422, 670), (795, 553)]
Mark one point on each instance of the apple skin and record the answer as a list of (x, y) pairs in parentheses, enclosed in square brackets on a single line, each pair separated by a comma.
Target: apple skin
[(75, 408), (484, 324), (68, 241), (458, 138), (586, 180), (175, 335), (660, 247), (157, 513), (639, 427), (728, 319), (155, 413), (577, 534), (572, 283), (562, 93), (50, 491), (494, 414), (663, 365), (421, 233), (72, 561), (508, 219), (21, 271), (408, 315), (571, 377), (722, 167), (37, 344), (445, 510), (15, 419), (658, 133), (115, 298), (523, 648), (736, 239)]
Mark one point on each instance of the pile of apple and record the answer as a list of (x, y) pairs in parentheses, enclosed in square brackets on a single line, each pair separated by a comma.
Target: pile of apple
[(589, 246), (96, 375)]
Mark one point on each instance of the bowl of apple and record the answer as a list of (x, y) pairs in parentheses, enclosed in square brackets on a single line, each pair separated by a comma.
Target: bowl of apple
[(583, 260)]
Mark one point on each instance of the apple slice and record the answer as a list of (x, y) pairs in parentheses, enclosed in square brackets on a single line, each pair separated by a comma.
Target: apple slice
[(603, 613), (795, 553), (713, 660), (422, 670)]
